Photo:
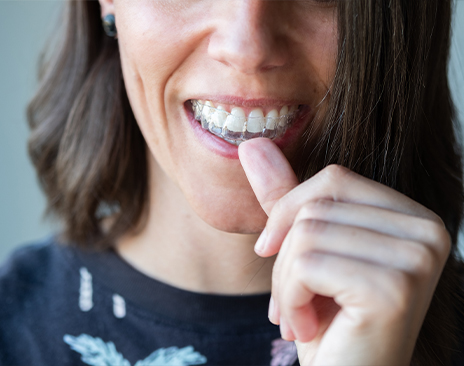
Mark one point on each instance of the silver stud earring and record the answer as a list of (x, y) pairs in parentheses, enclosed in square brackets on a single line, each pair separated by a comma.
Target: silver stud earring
[(109, 25)]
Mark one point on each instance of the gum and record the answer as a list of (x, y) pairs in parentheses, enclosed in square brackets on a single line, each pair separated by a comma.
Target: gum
[(203, 113)]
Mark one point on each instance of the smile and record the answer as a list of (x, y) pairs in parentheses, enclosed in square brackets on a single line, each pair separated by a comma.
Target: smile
[(235, 127)]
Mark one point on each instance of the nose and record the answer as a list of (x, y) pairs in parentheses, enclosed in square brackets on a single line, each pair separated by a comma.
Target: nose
[(247, 38)]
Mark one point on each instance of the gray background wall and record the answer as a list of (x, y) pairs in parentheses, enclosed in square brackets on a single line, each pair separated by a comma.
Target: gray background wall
[(24, 26)]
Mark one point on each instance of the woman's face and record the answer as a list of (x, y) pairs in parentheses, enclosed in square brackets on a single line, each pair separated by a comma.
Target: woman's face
[(251, 55)]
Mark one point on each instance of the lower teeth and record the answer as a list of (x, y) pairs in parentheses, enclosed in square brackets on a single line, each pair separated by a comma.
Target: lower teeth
[(269, 127)]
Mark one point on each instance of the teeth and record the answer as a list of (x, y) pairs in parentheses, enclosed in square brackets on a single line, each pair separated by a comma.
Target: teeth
[(219, 117), (255, 122), (206, 112), (283, 111), (208, 108), (282, 114), (235, 127), (271, 119), (236, 120)]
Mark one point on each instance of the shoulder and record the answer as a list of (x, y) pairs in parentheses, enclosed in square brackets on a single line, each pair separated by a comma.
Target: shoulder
[(39, 283), (27, 262), (29, 271)]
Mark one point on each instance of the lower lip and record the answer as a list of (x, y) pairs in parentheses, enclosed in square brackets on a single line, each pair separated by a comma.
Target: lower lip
[(229, 151)]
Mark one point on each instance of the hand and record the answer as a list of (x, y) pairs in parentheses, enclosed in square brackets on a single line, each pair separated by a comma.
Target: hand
[(357, 264)]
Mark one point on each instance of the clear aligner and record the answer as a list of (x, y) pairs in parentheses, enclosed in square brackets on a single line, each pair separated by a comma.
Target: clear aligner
[(237, 129)]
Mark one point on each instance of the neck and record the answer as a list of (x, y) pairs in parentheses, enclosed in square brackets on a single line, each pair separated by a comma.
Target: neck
[(177, 247)]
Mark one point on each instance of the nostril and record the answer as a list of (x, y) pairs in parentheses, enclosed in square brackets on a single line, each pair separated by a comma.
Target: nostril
[(247, 57)]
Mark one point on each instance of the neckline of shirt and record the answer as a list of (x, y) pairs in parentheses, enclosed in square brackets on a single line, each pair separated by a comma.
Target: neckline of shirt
[(162, 299)]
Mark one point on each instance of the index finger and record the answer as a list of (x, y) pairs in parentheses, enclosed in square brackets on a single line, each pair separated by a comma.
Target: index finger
[(336, 183)]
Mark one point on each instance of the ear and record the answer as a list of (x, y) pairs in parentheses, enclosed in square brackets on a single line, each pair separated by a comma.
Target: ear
[(107, 7)]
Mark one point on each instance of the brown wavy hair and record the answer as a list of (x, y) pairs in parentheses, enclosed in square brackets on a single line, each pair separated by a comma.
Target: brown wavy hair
[(390, 118)]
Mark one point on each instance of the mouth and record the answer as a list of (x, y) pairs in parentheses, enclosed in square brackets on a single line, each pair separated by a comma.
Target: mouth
[(235, 124)]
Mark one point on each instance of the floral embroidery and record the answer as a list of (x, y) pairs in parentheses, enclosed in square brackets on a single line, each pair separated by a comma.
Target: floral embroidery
[(96, 352), (283, 353)]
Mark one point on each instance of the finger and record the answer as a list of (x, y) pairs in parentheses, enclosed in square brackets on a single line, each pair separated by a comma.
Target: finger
[(268, 171), (377, 219), (363, 290), (379, 307), (285, 331), (369, 246), (341, 185), (306, 318), (278, 274), (310, 235), (274, 315)]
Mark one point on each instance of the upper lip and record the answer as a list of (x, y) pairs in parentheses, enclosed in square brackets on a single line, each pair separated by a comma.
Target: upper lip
[(247, 102)]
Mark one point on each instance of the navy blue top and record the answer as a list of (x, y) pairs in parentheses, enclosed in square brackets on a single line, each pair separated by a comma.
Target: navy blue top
[(60, 305)]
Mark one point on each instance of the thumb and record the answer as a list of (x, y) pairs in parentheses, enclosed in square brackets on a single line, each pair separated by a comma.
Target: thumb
[(268, 171)]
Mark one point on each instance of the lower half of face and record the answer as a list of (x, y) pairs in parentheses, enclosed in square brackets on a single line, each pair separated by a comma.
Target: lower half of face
[(203, 76)]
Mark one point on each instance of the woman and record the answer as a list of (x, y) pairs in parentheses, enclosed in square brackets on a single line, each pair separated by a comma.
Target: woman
[(357, 189)]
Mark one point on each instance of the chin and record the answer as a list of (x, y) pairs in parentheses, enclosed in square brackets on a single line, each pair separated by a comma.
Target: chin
[(243, 216), (236, 225)]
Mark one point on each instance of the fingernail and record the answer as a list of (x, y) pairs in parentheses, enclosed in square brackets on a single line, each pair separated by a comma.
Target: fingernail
[(261, 242), (271, 310), (285, 331)]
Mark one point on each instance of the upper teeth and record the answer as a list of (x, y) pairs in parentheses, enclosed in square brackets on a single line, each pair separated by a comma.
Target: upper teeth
[(236, 126)]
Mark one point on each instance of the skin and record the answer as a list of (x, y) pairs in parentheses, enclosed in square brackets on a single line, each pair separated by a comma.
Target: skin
[(357, 262)]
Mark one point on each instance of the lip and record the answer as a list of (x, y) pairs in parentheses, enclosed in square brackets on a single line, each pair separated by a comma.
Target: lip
[(229, 151), (248, 103)]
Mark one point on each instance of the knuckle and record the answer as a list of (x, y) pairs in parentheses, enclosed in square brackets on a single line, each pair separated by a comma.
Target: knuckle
[(440, 237), (308, 228), (335, 172), (422, 260), (315, 209), (334, 178), (402, 282)]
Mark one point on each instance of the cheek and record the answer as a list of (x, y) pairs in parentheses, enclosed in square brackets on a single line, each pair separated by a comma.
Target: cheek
[(319, 48), (154, 62), (324, 52), (152, 45), (155, 32), (149, 56), (143, 43)]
